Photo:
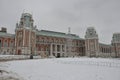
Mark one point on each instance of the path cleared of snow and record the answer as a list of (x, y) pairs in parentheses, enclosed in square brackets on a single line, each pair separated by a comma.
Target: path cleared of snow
[(65, 69)]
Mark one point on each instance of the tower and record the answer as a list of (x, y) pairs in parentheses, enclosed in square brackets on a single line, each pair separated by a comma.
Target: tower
[(25, 35), (116, 44), (91, 42)]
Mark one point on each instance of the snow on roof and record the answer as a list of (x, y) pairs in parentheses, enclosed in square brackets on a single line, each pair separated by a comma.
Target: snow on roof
[(3, 34), (57, 34)]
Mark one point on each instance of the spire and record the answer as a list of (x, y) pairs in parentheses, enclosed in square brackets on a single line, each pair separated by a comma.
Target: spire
[(17, 24), (69, 30)]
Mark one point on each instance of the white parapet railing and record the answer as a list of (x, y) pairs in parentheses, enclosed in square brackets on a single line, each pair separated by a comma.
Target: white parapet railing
[(91, 62), (17, 57)]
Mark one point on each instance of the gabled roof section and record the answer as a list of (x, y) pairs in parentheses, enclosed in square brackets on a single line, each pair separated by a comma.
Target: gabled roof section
[(4, 34), (57, 34)]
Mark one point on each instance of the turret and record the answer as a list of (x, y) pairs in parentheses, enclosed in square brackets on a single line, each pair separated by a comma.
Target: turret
[(25, 35), (91, 42), (116, 44)]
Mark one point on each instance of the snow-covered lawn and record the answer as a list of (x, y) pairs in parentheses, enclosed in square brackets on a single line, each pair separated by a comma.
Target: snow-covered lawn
[(63, 69)]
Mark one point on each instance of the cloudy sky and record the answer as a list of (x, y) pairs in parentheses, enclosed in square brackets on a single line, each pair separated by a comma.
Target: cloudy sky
[(58, 15)]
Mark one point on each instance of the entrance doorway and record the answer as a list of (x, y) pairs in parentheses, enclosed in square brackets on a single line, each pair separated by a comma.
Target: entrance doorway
[(19, 52), (58, 55)]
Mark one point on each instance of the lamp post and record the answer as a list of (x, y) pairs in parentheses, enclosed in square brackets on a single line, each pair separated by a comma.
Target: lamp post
[(31, 55)]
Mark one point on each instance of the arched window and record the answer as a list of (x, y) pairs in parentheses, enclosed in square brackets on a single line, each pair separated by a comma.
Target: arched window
[(20, 43), (102, 50), (11, 44), (5, 43)]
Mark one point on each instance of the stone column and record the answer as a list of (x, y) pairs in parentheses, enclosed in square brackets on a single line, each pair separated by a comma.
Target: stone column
[(51, 49), (95, 48), (61, 50), (24, 41), (15, 41), (65, 52), (55, 49), (29, 42), (87, 48), (23, 37)]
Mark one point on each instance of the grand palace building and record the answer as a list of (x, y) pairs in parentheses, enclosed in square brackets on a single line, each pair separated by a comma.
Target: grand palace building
[(29, 40)]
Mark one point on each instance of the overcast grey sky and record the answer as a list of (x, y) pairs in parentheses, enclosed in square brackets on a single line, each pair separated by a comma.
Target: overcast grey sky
[(58, 15)]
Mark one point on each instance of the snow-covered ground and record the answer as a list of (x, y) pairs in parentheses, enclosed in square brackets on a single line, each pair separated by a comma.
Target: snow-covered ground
[(62, 69)]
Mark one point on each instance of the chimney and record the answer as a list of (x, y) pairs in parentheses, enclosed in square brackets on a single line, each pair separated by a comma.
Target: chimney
[(3, 30)]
